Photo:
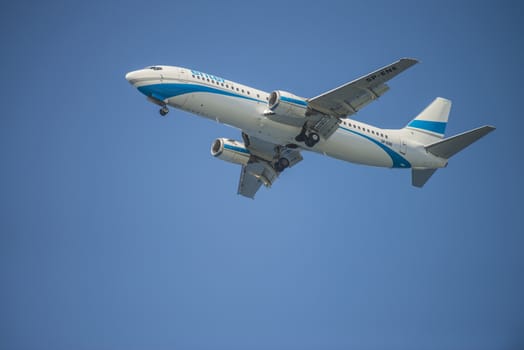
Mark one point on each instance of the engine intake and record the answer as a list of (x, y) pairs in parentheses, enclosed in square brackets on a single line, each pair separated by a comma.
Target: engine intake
[(286, 104), (231, 151)]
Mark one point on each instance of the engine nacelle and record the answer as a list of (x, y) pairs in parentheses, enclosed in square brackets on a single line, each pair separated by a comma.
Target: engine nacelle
[(230, 151), (286, 104)]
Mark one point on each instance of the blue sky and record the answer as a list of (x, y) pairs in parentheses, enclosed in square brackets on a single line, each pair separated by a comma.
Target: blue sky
[(118, 230)]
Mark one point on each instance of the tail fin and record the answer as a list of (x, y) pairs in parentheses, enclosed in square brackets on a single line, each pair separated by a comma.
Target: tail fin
[(430, 125)]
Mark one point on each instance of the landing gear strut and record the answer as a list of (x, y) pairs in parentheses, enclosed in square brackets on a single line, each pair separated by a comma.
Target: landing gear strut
[(163, 111), (309, 138)]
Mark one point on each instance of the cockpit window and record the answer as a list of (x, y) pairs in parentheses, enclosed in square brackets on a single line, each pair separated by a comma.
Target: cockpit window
[(155, 68)]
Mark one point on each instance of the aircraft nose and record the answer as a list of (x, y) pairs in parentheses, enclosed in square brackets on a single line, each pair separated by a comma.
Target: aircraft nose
[(133, 76)]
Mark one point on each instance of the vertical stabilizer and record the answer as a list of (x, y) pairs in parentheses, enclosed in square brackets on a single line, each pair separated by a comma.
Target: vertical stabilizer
[(430, 125)]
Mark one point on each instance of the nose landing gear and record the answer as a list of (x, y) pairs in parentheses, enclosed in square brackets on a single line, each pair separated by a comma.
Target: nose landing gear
[(163, 111)]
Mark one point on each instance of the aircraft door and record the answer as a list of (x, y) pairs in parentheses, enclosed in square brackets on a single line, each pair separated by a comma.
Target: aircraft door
[(403, 146)]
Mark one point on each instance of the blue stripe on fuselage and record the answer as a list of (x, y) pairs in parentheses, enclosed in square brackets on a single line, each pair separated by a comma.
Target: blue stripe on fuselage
[(398, 160), (169, 90)]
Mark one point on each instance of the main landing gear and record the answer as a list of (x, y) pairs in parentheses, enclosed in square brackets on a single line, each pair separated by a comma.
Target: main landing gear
[(163, 111), (310, 138), (281, 164)]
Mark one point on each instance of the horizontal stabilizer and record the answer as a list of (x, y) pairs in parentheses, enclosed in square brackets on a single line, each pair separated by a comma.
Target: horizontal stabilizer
[(452, 145), (420, 176)]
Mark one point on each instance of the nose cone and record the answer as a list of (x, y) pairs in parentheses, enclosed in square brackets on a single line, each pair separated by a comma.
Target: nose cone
[(132, 77), (142, 77)]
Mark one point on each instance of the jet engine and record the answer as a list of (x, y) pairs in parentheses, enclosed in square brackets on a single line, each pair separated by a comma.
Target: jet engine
[(286, 104), (230, 151)]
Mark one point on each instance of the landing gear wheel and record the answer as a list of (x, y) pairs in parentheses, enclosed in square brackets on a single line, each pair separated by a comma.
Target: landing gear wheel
[(163, 111), (281, 164), (308, 136), (309, 142), (314, 137), (301, 137)]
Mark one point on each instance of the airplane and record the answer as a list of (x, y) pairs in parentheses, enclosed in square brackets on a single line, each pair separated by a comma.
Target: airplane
[(277, 126)]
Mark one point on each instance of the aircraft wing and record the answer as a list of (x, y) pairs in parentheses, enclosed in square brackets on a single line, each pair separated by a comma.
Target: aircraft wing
[(250, 179), (264, 167), (349, 98)]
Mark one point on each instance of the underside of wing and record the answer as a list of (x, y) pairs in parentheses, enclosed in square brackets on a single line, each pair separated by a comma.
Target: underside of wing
[(349, 98), (286, 108), (266, 163), (250, 179)]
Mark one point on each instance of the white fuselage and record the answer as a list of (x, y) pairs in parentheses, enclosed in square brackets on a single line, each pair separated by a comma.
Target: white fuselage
[(243, 107)]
